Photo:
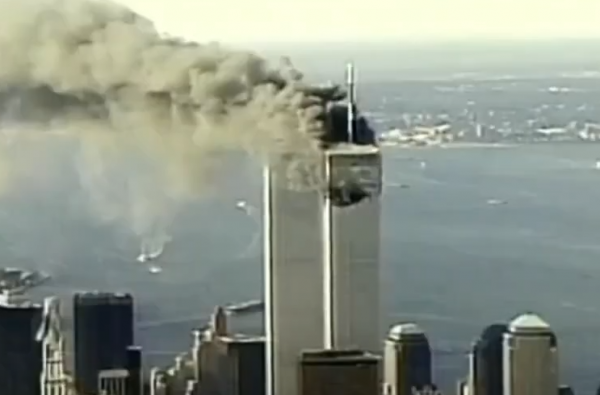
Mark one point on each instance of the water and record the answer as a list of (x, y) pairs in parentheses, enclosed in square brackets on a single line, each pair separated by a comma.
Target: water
[(452, 262), (455, 263)]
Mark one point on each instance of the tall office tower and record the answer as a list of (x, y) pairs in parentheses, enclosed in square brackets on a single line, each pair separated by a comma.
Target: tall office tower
[(134, 367), (473, 374), (20, 353), (293, 278), (54, 380), (242, 366), (112, 382), (351, 236), (486, 377), (352, 243), (349, 372), (295, 253), (530, 357), (104, 325), (407, 361)]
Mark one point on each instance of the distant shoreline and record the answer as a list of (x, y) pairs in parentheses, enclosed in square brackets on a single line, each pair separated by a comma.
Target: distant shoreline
[(453, 145)]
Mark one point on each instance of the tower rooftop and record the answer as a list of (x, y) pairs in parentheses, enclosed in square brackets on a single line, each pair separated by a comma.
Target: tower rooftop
[(529, 322), (405, 329), (351, 149)]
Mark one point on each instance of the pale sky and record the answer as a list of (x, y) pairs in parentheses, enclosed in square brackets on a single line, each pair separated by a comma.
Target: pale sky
[(245, 21)]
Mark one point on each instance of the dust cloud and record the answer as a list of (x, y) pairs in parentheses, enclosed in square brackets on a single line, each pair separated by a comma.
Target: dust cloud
[(154, 118)]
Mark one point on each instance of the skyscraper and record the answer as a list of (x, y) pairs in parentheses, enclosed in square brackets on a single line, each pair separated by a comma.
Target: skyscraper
[(407, 360), (134, 367), (487, 359), (242, 370), (54, 380), (530, 357), (104, 325), (293, 278), (351, 234), (348, 372), (302, 266), (20, 352), (351, 222)]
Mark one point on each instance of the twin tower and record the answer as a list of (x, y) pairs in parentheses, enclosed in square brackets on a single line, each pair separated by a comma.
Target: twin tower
[(322, 247)]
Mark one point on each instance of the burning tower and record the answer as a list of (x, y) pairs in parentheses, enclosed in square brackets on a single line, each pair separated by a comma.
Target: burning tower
[(322, 250)]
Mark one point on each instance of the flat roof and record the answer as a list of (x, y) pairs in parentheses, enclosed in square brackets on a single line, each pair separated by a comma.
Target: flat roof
[(352, 149)]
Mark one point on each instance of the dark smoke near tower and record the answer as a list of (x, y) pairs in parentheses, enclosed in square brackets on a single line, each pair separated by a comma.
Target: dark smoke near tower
[(149, 112)]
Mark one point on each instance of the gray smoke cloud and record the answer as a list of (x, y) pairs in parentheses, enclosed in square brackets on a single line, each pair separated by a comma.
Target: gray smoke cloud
[(149, 113)]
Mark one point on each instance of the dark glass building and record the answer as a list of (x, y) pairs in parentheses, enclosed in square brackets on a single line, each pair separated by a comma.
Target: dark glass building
[(407, 361), (134, 368), (329, 372), (104, 329), (488, 358), (20, 353)]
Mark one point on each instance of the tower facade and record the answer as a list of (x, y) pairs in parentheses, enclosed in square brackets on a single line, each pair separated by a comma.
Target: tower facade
[(351, 240), (293, 278), (54, 380), (322, 249), (104, 325), (325, 372), (20, 352), (134, 368), (407, 361), (486, 373), (530, 357)]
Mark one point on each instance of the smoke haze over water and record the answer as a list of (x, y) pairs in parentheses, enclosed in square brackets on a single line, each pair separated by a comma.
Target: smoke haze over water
[(154, 118)]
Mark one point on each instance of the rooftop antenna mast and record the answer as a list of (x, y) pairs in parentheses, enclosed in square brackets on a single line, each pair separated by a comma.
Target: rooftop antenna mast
[(351, 87)]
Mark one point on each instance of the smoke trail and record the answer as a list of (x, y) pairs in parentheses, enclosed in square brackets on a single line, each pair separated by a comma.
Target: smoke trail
[(96, 72)]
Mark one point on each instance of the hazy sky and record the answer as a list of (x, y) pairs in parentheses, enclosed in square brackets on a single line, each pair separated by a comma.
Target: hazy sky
[(334, 20)]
